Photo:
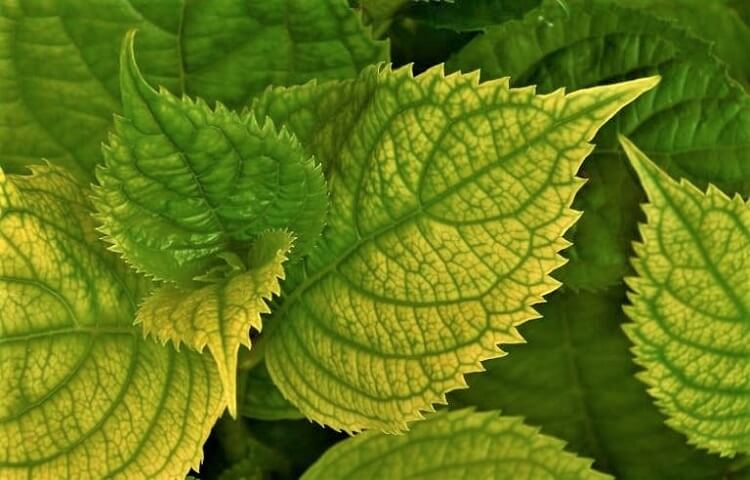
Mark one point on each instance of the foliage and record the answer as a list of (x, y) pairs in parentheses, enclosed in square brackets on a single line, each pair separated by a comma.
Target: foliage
[(374, 198)]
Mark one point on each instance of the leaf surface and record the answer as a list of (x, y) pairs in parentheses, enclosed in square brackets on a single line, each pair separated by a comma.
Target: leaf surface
[(220, 315), (448, 203), (459, 444), (85, 395), (691, 307), (59, 84), (182, 183)]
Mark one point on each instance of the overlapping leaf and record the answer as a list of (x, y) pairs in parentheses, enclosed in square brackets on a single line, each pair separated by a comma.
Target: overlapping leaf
[(220, 315), (460, 444), (58, 62), (84, 394), (182, 183), (448, 203), (691, 307)]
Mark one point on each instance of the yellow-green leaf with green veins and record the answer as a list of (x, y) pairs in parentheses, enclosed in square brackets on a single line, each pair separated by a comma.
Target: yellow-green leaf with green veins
[(691, 307), (449, 200), (450, 445), (183, 183), (221, 314), (84, 394)]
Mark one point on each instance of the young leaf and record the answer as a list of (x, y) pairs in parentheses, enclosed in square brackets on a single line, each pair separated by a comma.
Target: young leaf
[(448, 203), (221, 314), (84, 394), (460, 444), (182, 183), (59, 66), (691, 307)]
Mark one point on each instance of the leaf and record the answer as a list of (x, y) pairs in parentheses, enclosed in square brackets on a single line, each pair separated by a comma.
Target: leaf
[(575, 378), (220, 314), (59, 84), (448, 203), (182, 183), (460, 444), (691, 307), (84, 394), (679, 124), (712, 20), (263, 400)]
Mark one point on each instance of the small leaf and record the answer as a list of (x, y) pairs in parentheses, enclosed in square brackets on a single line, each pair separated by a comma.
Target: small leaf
[(460, 444), (691, 307), (84, 394), (220, 315), (448, 203), (183, 183)]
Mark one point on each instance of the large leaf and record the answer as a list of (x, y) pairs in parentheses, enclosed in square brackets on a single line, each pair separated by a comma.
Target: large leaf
[(691, 307), (449, 445), (84, 394), (183, 183), (679, 124), (58, 62), (219, 315), (448, 203), (575, 378)]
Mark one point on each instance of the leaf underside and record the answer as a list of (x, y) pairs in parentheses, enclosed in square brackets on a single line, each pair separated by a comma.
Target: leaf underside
[(84, 394), (448, 203), (449, 445), (691, 307)]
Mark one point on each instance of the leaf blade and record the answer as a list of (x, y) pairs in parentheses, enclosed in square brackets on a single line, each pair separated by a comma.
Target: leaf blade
[(73, 364), (670, 299), (347, 311), (458, 444)]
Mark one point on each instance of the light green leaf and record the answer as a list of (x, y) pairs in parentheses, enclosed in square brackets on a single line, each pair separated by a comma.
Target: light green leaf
[(220, 315), (182, 183), (448, 203), (262, 398), (58, 59), (691, 307), (460, 444), (84, 394)]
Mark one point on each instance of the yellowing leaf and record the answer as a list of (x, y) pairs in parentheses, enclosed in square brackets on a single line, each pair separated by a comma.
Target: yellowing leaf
[(449, 200), (691, 307), (84, 395), (452, 445), (221, 314), (183, 183)]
